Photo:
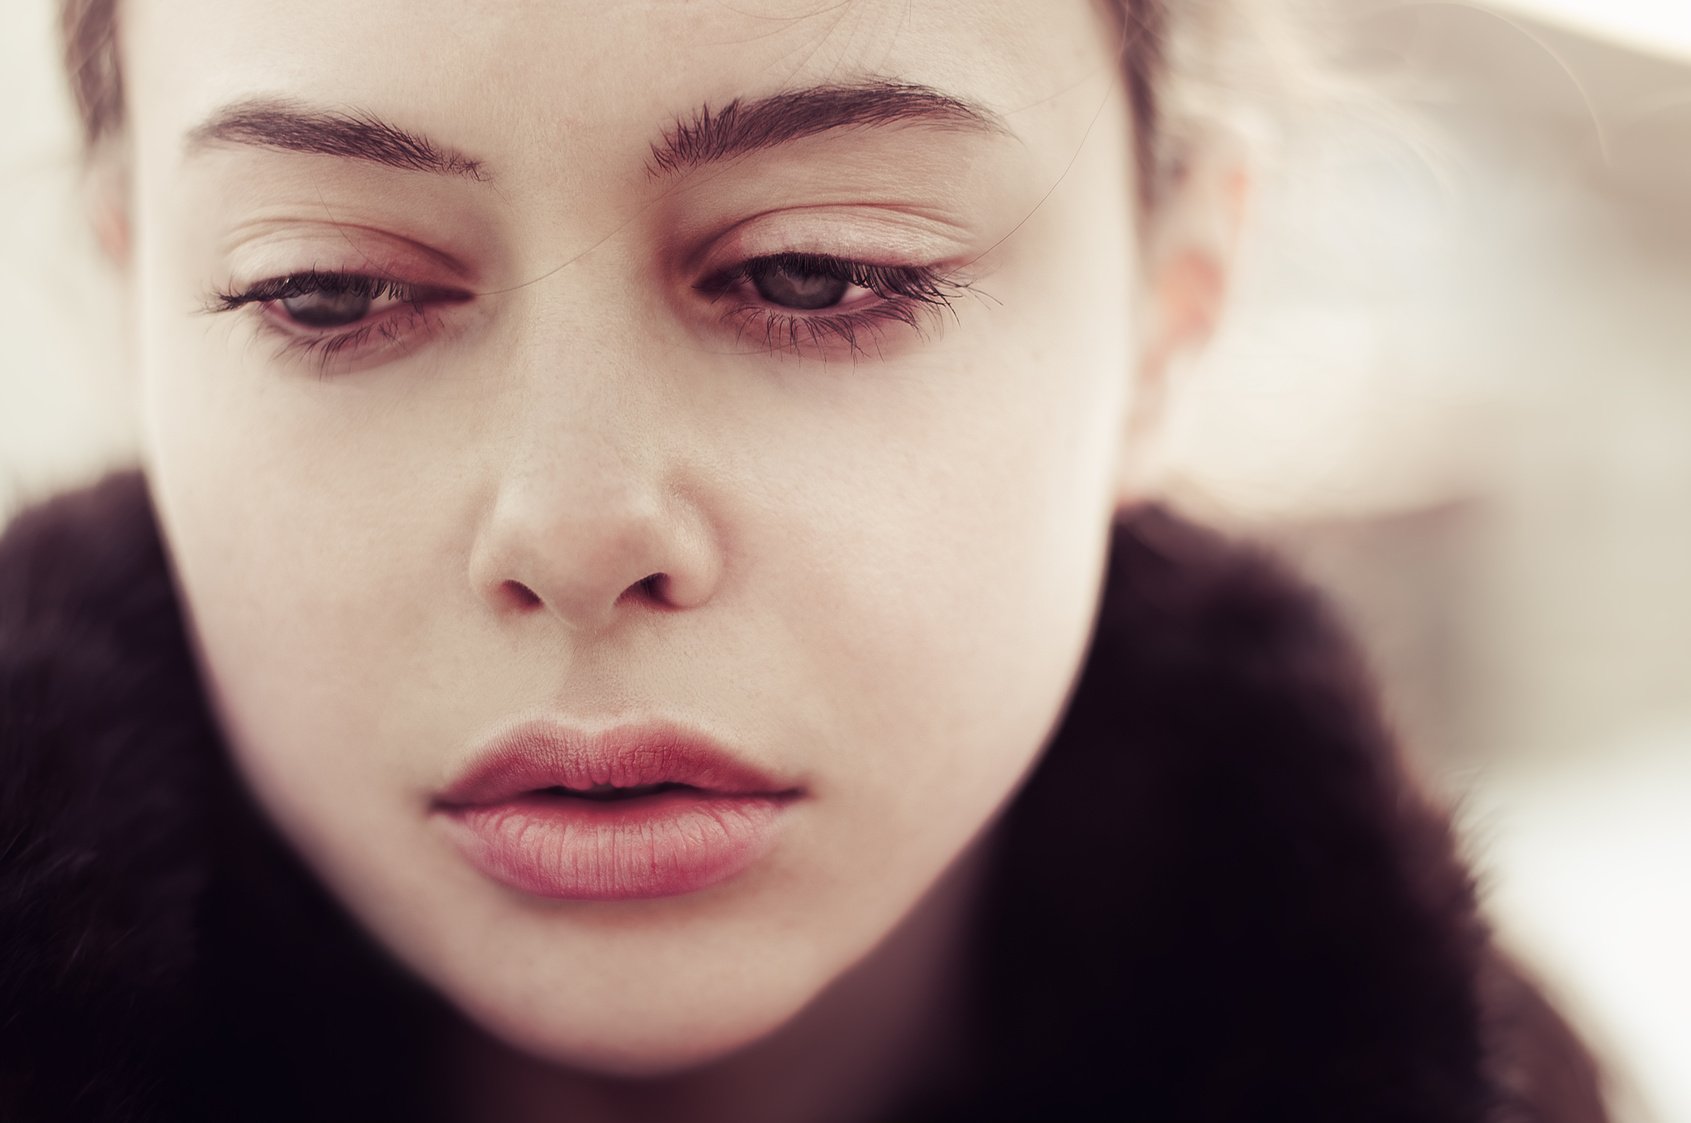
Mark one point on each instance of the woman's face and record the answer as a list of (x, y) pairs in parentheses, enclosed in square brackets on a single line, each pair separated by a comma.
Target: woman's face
[(595, 451)]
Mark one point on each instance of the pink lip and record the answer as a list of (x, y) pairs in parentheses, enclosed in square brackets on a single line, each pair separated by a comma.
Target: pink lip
[(500, 816)]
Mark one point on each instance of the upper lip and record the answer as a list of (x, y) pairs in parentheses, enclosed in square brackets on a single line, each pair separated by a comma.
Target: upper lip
[(539, 754)]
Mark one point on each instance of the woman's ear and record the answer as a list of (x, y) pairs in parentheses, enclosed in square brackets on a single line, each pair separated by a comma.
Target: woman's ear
[(1190, 239), (105, 189)]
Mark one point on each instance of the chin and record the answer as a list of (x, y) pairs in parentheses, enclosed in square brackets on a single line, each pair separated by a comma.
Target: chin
[(632, 1044)]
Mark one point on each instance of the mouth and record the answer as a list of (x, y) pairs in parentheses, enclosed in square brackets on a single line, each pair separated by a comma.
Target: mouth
[(610, 793), (628, 762), (635, 813)]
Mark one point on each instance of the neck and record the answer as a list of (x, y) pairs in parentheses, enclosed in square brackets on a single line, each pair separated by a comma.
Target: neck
[(889, 1029)]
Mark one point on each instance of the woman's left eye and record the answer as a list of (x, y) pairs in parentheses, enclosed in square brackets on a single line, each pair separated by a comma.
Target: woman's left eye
[(789, 287), (807, 302)]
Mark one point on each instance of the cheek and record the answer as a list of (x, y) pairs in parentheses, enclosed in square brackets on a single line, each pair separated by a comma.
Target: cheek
[(948, 566), (314, 576)]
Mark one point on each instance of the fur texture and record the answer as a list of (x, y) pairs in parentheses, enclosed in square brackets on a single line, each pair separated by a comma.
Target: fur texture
[(1218, 899)]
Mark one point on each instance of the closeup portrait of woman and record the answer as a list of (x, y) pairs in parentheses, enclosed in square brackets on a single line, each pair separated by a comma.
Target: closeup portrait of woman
[(645, 595)]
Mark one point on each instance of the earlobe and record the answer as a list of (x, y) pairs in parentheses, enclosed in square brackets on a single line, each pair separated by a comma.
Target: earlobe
[(1188, 297)]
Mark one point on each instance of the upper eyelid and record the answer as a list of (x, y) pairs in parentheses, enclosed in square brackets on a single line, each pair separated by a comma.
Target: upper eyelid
[(862, 274), (269, 289), (287, 236)]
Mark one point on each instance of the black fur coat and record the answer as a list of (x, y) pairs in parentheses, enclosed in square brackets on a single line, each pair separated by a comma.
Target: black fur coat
[(1283, 929)]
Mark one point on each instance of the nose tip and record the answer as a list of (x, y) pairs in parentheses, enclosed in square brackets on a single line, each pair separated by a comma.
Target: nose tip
[(588, 564)]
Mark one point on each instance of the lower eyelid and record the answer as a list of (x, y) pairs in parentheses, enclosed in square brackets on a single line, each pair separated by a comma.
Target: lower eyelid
[(355, 342), (858, 331)]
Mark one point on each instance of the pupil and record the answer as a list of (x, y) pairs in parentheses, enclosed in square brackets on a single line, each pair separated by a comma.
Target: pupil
[(326, 309), (803, 290)]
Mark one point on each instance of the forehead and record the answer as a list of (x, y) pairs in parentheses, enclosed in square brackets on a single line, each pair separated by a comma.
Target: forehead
[(552, 90)]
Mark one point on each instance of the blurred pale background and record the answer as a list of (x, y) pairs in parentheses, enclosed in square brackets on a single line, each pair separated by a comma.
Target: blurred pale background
[(1456, 389)]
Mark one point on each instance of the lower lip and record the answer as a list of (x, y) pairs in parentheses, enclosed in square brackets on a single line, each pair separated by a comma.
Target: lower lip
[(660, 845)]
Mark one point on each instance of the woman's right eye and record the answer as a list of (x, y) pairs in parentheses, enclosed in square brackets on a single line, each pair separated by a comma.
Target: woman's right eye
[(327, 309), (317, 299), (334, 313)]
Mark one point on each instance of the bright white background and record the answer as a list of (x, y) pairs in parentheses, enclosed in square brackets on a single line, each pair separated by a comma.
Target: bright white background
[(1456, 389)]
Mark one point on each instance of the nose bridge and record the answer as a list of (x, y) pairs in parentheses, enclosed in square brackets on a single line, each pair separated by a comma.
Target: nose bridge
[(582, 396), (585, 507)]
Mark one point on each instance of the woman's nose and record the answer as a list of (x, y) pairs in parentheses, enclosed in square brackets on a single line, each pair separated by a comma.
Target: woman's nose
[(589, 533)]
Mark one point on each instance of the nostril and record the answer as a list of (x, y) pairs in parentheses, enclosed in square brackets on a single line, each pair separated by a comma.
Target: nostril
[(646, 589), (519, 594)]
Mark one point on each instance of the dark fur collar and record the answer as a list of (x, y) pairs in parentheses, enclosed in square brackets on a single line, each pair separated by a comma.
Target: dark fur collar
[(1279, 930)]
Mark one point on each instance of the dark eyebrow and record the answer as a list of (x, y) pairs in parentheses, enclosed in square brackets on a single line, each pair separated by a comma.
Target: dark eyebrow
[(293, 126), (741, 126)]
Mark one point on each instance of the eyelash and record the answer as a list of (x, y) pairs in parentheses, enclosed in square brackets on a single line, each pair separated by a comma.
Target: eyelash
[(910, 295)]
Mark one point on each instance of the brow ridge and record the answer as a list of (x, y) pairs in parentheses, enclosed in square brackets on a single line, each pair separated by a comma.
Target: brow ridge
[(742, 127), (293, 126)]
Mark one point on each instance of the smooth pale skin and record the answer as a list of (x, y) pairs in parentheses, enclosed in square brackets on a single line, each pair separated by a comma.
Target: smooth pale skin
[(878, 572)]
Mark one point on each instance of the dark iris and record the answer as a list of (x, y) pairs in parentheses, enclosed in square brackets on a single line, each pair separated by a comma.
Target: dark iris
[(778, 285), (326, 308)]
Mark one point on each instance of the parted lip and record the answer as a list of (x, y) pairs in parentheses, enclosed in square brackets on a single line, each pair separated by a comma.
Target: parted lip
[(539, 754)]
